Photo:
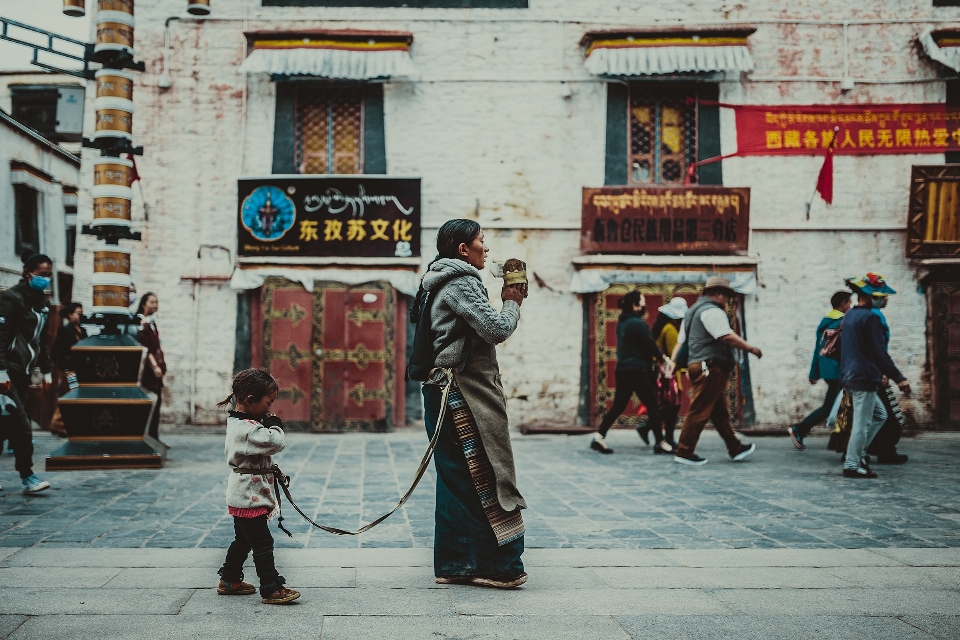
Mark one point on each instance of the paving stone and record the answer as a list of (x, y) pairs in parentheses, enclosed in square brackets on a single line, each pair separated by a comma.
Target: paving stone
[(9, 623), (722, 578), (945, 626), (477, 601), (74, 577), (763, 628), (164, 627), (631, 500), (473, 627), (868, 602), (47, 601), (316, 602)]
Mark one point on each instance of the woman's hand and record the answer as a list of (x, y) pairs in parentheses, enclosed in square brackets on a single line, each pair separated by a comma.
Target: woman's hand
[(515, 292), (158, 372)]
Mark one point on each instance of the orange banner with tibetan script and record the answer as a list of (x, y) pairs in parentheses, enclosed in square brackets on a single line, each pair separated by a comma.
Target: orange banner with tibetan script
[(863, 129)]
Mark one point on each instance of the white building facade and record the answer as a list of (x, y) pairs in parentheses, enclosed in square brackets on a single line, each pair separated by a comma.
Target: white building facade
[(502, 115)]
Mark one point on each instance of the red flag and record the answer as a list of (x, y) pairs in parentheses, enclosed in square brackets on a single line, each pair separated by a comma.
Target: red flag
[(135, 175), (825, 179)]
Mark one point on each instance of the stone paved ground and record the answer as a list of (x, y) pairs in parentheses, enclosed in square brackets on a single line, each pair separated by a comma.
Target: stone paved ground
[(778, 498), (625, 547)]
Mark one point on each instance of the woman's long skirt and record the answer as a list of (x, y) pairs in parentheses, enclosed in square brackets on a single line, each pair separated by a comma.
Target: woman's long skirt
[(464, 542)]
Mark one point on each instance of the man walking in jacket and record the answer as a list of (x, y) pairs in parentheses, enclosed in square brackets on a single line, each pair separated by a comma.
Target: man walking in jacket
[(823, 368), (865, 366), (710, 344)]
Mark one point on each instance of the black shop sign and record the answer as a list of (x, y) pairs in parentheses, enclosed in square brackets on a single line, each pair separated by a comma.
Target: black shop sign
[(328, 216)]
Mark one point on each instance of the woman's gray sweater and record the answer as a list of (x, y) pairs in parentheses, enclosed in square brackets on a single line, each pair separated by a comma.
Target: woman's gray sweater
[(462, 301)]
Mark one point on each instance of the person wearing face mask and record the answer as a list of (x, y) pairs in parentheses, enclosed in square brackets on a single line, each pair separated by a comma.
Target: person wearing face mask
[(23, 322), (637, 355), (155, 366)]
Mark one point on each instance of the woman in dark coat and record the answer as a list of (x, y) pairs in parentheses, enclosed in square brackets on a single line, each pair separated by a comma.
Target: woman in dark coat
[(155, 367), (637, 357)]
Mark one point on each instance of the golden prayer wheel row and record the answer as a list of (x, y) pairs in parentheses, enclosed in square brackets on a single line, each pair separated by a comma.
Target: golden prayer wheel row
[(114, 118), (111, 292), (114, 32), (113, 259), (77, 8), (111, 205), (112, 171)]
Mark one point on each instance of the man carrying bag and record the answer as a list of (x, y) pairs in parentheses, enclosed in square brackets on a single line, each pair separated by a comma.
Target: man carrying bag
[(710, 342)]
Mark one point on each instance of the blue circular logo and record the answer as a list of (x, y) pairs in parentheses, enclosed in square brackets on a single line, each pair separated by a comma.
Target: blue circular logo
[(268, 213)]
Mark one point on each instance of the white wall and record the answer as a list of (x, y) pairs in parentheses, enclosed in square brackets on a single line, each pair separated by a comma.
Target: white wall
[(488, 128), (14, 145)]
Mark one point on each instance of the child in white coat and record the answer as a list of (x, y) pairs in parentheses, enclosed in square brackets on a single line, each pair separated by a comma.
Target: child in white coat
[(253, 436)]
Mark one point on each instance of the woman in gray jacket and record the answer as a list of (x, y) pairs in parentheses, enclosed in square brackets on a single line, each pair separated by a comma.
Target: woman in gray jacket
[(479, 529)]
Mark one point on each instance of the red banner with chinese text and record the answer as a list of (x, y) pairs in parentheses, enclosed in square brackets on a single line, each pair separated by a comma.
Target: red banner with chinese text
[(863, 129)]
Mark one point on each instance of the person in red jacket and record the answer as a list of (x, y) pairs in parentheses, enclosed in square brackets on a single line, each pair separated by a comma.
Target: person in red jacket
[(155, 368)]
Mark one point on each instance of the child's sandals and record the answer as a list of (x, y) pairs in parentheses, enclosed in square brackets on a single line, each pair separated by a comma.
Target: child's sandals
[(235, 589), (281, 596)]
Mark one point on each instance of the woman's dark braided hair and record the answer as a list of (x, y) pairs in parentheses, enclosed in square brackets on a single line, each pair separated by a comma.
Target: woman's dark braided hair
[(250, 382)]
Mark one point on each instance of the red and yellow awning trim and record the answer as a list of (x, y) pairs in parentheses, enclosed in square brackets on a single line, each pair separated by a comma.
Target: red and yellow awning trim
[(630, 42)]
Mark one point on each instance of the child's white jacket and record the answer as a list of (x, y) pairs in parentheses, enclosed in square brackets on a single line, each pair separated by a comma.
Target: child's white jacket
[(250, 445)]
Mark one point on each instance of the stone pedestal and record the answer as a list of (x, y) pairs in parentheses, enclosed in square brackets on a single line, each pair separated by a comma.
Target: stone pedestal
[(107, 416)]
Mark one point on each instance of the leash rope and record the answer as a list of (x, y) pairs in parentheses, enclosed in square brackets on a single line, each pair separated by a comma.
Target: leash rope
[(281, 482)]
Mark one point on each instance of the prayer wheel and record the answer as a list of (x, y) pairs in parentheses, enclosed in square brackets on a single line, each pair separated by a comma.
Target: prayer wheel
[(112, 259), (112, 171), (198, 7), (111, 293), (74, 8), (112, 83), (114, 32), (111, 206), (123, 6), (108, 416), (114, 118)]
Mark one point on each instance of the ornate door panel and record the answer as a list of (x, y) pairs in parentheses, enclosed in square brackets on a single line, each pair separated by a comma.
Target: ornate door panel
[(354, 341), (947, 351), (603, 361), (335, 354), (287, 348)]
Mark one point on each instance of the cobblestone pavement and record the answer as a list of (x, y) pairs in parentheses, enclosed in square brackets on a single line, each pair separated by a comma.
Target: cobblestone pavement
[(778, 498)]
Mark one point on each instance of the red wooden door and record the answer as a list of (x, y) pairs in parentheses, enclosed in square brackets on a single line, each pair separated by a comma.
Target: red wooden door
[(337, 353), (288, 348), (603, 341), (356, 357)]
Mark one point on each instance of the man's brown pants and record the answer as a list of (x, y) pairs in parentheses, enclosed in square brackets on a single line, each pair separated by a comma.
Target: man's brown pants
[(708, 403)]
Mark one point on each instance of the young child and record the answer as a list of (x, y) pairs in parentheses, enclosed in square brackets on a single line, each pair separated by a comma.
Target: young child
[(253, 436)]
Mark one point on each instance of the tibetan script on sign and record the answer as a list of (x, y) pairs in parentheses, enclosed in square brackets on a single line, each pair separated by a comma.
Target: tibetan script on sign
[(329, 216), (863, 129), (665, 220)]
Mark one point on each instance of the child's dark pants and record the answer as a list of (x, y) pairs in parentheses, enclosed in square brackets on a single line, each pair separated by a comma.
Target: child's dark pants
[(252, 534)]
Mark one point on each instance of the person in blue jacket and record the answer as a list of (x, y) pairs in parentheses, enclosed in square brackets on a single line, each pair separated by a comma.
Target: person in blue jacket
[(823, 368), (865, 367)]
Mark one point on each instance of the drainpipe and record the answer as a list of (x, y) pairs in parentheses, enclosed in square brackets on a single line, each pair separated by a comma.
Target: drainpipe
[(196, 332)]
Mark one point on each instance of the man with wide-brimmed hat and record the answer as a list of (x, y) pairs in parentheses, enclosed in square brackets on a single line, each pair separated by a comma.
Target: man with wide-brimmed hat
[(710, 343), (864, 367)]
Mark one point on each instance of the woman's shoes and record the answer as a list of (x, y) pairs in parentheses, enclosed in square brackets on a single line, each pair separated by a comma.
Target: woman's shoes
[(497, 583), (500, 583), (599, 443), (662, 447)]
